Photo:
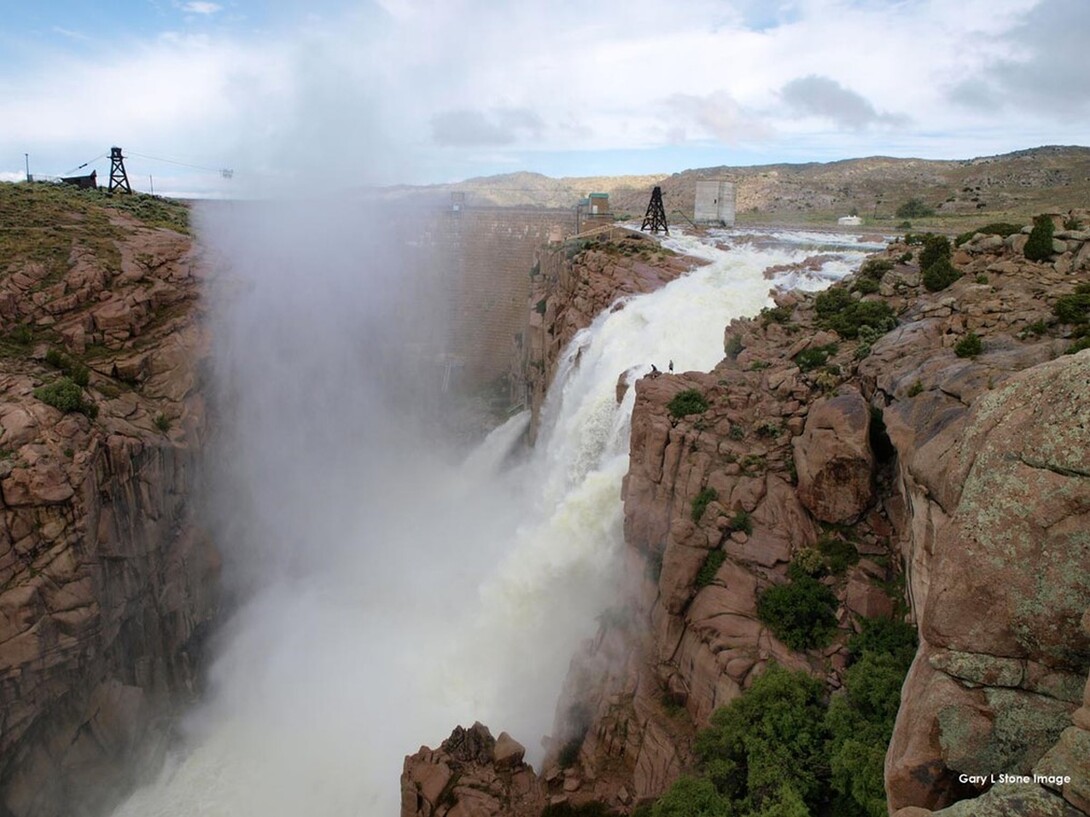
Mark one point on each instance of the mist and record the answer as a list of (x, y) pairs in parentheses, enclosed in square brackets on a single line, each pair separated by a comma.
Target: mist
[(382, 586)]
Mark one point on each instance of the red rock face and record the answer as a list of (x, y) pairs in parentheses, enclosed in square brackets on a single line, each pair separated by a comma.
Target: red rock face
[(106, 583)]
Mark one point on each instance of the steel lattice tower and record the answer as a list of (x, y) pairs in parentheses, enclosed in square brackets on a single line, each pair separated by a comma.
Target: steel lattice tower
[(655, 219), (119, 179)]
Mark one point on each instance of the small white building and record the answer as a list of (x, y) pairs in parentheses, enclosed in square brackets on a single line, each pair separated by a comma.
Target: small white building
[(849, 221)]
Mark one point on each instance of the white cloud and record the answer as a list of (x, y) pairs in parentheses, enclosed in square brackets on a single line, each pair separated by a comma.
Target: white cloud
[(201, 7), (414, 89)]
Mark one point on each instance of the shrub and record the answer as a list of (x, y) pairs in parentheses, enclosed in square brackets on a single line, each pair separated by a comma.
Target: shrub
[(915, 389), (940, 275), (809, 359), (935, 248), (865, 286), (769, 429), (701, 502), (914, 208), (770, 739), (887, 636), (875, 268), (1073, 308), (969, 345), (65, 395), (736, 432), (687, 402), (162, 422), (1078, 345), (775, 314), (566, 809), (999, 228), (690, 797), (540, 306), (712, 562), (1039, 245), (1072, 223), (742, 521), (982, 279), (802, 613), (839, 554), (837, 311)]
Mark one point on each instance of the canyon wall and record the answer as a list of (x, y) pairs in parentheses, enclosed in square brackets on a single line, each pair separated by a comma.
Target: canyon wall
[(481, 258), (107, 583), (957, 475)]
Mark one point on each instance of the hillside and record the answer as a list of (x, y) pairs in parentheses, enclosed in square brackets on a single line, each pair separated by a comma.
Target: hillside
[(968, 191)]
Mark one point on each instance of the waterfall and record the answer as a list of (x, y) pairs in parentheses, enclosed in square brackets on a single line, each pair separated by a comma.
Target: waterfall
[(421, 594)]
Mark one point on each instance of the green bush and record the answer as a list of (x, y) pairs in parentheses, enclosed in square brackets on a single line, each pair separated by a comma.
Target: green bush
[(860, 723), (775, 314), (839, 554), (65, 395), (701, 502), (1073, 308), (1078, 345), (935, 248), (741, 521), (915, 389), (691, 797), (1039, 245), (769, 739), (914, 208), (969, 345), (875, 268), (712, 562), (801, 613), (837, 311), (940, 275), (810, 359), (865, 286), (999, 228), (886, 636), (566, 809), (687, 402)]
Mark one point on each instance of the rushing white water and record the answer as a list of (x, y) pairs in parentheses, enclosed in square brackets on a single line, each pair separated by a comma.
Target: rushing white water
[(476, 585)]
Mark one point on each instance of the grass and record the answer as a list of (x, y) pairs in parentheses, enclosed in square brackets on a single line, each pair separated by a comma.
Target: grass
[(701, 502)]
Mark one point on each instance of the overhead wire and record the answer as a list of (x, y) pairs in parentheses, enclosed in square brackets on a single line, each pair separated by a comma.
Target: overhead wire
[(223, 171)]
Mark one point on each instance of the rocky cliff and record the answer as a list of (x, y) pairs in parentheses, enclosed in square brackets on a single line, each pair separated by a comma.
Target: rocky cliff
[(106, 582), (908, 446), (571, 282)]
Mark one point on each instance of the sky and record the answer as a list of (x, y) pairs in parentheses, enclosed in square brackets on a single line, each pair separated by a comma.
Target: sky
[(289, 95)]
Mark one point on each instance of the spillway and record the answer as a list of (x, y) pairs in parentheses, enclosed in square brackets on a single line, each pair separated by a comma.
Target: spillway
[(412, 594)]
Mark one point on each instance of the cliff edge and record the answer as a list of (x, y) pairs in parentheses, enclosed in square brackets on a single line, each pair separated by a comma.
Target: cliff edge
[(106, 581)]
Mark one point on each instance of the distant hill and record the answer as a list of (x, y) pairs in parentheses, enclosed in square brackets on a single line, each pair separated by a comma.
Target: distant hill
[(991, 188)]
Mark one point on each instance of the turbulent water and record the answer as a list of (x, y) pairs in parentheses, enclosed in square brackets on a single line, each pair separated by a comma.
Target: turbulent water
[(443, 594)]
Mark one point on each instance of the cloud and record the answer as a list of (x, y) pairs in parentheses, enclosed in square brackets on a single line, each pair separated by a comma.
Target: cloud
[(716, 115), (820, 96), (201, 7), (1044, 69), (475, 128)]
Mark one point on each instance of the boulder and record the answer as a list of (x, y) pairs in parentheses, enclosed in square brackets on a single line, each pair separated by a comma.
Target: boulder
[(834, 460)]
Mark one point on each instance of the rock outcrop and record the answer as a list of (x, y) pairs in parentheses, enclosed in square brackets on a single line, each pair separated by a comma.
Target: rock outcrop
[(957, 477), (106, 583), (571, 283), (471, 774)]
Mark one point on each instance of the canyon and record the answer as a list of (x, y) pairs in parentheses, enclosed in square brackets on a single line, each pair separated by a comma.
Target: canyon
[(959, 484)]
